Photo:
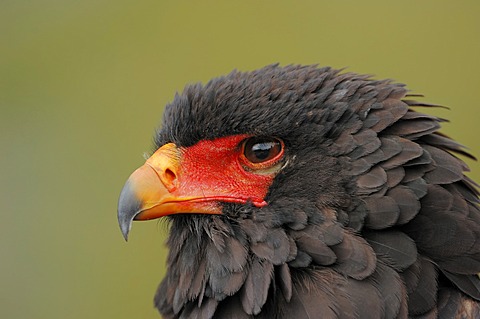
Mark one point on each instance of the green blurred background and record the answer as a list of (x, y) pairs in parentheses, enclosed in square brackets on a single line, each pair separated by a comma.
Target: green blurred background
[(82, 87)]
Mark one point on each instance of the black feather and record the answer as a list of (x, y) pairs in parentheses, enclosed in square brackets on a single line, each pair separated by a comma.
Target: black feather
[(253, 294), (395, 248)]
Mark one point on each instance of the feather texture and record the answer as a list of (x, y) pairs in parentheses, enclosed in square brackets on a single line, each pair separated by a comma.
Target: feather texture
[(255, 290)]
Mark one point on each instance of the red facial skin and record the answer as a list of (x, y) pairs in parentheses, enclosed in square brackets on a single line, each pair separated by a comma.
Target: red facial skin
[(196, 179)]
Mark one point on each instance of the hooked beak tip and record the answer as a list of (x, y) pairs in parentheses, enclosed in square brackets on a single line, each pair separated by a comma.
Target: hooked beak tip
[(125, 229), (128, 208)]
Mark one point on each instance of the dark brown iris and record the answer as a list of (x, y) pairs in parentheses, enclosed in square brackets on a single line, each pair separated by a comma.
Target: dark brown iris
[(261, 149)]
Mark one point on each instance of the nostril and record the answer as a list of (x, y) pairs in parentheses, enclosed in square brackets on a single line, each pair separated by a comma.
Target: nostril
[(170, 179), (170, 175)]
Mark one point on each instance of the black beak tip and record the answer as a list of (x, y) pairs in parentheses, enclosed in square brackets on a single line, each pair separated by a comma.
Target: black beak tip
[(125, 226), (128, 207)]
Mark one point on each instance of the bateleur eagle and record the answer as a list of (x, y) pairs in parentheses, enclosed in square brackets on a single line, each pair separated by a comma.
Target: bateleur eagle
[(304, 192)]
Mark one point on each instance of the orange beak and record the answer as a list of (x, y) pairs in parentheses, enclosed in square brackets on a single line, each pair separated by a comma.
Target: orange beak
[(153, 191)]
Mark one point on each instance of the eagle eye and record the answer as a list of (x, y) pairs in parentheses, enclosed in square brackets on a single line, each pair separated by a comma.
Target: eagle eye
[(262, 149)]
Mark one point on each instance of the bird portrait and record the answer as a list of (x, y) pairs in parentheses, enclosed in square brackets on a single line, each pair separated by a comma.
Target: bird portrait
[(302, 191)]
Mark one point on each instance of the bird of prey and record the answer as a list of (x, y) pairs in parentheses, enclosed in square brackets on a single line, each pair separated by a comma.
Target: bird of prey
[(306, 192)]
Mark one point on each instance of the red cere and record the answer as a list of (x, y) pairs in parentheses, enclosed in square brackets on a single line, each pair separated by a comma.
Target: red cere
[(214, 168)]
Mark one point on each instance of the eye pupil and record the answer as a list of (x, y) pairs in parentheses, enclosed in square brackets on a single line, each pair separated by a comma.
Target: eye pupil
[(261, 149)]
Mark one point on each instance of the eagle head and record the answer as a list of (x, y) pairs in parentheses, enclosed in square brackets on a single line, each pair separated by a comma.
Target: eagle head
[(304, 191)]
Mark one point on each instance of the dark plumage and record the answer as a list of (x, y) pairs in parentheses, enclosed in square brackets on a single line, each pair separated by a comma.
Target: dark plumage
[(368, 214)]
